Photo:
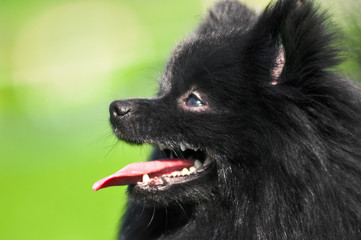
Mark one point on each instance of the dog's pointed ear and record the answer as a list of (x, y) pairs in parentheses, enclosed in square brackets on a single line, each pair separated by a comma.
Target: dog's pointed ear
[(226, 14), (290, 43)]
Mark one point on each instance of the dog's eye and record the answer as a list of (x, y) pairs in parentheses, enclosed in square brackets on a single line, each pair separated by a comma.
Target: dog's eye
[(194, 101)]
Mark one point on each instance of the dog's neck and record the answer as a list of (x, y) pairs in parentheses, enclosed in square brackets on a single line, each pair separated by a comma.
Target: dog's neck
[(180, 221)]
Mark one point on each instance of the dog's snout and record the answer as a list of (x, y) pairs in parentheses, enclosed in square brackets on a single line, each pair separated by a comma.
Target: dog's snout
[(119, 109)]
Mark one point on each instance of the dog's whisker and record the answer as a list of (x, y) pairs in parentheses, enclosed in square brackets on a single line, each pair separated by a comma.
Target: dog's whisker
[(164, 155), (151, 218), (174, 153), (180, 205), (179, 154), (111, 149), (140, 214), (166, 218)]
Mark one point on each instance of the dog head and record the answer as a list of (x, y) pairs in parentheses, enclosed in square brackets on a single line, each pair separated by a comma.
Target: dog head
[(220, 113)]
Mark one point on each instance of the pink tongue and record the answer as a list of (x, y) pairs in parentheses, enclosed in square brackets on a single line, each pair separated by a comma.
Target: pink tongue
[(133, 172)]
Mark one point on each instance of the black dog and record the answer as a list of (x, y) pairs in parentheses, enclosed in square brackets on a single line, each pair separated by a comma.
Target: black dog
[(258, 138)]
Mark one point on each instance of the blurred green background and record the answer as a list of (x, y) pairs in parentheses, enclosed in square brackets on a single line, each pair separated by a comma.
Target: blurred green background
[(61, 64)]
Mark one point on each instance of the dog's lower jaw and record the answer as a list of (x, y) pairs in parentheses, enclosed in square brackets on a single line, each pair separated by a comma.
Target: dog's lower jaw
[(179, 221)]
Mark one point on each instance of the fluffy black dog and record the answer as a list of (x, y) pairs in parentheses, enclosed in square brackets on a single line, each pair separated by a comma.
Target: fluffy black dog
[(258, 138)]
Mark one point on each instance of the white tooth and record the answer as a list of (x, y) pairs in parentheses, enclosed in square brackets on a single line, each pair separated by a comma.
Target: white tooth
[(192, 169), (185, 171), (146, 178), (197, 164), (161, 147), (174, 174), (183, 147)]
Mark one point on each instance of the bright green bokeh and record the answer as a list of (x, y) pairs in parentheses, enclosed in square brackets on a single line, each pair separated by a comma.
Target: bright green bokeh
[(61, 64)]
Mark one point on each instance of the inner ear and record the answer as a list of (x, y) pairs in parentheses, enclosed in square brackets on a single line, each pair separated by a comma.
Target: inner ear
[(278, 65)]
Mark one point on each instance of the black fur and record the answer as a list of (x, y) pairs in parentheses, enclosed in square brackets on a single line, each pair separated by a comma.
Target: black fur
[(285, 146)]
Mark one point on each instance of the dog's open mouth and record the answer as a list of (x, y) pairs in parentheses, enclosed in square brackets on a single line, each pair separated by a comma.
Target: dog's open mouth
[(178, 165)]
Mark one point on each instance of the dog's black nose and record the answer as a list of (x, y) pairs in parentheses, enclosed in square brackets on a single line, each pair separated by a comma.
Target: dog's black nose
[(119, 109)]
